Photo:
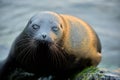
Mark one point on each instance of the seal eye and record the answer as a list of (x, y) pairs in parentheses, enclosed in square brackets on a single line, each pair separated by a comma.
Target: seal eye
[(35, 26), (54, 28)]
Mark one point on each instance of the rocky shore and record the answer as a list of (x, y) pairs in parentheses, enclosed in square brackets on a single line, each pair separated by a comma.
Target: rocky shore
[(87, 74)]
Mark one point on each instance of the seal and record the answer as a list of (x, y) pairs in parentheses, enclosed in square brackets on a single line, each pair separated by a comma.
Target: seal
[(54, 44)]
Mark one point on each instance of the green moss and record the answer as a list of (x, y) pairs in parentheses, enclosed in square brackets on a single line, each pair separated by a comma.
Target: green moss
[(91, 73)]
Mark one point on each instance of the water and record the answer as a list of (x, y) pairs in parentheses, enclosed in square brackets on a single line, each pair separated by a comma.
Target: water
[(102, 15)]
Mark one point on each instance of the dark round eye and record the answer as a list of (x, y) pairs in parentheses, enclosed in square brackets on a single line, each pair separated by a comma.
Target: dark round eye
[(35, 26), (54, 28)]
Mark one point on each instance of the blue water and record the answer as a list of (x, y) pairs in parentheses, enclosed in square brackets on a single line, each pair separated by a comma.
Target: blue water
[(102, 15)]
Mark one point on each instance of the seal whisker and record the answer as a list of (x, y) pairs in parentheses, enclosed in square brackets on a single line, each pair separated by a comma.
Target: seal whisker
[(56, 61), (34, 55), (61, 54), (23, 40), (24, 56), (22, 53), (51, 57), (32, 52), (56, 51), (22, 45), (27, 57)]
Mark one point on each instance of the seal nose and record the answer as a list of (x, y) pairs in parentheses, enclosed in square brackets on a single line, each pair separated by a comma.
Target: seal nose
[(44, 36)]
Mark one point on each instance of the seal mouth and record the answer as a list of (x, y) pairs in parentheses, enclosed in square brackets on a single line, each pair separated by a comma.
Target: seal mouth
[(43, 43)]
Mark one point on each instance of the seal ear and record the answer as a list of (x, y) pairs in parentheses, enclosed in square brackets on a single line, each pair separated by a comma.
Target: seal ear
[(61, 26), (63, 22)]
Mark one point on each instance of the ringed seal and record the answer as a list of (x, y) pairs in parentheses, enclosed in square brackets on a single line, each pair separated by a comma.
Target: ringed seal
[(54, 44)]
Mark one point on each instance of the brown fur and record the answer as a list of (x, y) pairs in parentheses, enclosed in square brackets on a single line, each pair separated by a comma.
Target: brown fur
[(89, 47)]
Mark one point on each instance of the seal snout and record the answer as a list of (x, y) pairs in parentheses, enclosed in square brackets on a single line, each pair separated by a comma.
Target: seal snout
[(44, 36)]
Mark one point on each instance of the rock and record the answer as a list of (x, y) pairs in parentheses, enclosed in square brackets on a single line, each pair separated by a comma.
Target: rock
[(91, 73)]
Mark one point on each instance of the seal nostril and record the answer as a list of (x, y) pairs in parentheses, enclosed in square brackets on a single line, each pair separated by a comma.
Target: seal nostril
[(44, 36)]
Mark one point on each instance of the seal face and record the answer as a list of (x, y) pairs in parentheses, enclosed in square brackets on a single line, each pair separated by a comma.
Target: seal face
[(40, 43), (44, 26), (54, 44)]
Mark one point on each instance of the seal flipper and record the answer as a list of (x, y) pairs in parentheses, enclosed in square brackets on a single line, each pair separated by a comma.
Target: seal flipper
[(6, 69)]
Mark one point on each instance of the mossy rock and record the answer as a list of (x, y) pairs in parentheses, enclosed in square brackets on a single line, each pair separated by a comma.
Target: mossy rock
[(91, 73)]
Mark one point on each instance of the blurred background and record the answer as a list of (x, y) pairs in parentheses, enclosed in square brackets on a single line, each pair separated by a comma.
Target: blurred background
[(102, 15)]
